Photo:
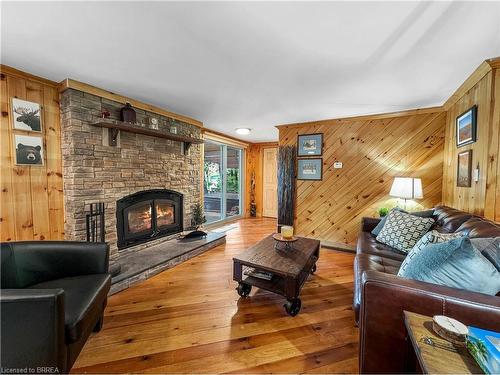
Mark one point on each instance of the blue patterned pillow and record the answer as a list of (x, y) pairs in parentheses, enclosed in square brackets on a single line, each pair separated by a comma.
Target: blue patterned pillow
[(456, 264), (428, 238)]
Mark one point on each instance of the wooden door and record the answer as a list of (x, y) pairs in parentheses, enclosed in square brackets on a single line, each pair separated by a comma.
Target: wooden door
[(270, 183)]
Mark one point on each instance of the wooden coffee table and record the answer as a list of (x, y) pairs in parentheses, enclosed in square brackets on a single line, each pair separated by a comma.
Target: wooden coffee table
[(290, 269)]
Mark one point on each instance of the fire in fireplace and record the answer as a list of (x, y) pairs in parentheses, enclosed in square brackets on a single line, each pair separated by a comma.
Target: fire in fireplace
[(147, 215)]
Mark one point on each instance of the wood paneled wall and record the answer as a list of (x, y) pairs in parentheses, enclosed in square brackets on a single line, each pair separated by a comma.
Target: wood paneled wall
[(254, 164), (31, 196), (373, 150), (483, 197)]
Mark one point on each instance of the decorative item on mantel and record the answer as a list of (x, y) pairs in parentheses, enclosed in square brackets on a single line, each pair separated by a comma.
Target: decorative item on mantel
[(128, 114), (105, 113), (173, 129), (197, 221), (152, 122)]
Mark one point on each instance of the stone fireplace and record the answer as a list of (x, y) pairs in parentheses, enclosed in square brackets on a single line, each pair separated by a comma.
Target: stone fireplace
[(147, 215), (139, 166)]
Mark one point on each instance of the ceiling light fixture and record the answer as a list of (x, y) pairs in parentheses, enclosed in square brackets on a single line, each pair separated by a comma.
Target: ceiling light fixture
[(243, 131)]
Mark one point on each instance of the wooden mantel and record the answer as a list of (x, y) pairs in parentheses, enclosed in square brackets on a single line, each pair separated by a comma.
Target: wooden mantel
[(115, 126)]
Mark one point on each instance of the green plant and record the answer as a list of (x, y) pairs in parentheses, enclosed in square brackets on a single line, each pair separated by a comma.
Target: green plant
[(198, 216), (383, 211)]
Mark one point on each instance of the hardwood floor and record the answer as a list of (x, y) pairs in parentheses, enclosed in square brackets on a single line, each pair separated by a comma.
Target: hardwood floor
[(190, 319)]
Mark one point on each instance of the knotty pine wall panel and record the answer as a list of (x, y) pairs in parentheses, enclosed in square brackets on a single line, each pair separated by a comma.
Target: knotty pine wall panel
[(483, 197), (31, 200), (373, 151)]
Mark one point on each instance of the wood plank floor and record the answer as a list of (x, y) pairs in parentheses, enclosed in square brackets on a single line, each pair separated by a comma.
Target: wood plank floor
[(189, 319)]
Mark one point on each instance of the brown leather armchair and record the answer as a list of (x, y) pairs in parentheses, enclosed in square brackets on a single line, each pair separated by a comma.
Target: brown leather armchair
[(381, 296)]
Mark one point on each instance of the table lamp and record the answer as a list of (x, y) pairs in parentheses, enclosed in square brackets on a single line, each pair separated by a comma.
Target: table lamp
[(407, 188)]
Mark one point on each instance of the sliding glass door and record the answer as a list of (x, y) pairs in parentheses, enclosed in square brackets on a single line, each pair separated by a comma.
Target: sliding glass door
[(222, 181)]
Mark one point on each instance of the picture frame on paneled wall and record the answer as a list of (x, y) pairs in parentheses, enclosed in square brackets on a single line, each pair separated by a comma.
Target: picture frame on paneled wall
[(26, 115), (29, 150), (310, 144), (310, 169), (466, 127), (464, 169)]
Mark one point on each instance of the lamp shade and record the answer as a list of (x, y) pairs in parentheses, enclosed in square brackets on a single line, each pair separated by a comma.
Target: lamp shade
[(407, 188)]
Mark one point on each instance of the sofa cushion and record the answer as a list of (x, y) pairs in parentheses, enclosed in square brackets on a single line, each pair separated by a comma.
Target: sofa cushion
[(477, 227), (454, 263), (449, 219), (490, 248), (367, 244), (428, 238), (403, 230), (380, 225), (84, 298)]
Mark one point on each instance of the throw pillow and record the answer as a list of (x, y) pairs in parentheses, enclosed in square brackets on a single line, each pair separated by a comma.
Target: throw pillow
[(430, 237), (489, 248), (380, 225), (456, 264), (402, 230)]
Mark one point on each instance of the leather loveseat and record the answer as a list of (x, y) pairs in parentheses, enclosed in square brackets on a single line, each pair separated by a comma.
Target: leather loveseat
[(380, 296), (53, 296)]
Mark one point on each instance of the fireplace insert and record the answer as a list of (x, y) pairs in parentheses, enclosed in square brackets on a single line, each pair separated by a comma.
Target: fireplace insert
[(147, 215)]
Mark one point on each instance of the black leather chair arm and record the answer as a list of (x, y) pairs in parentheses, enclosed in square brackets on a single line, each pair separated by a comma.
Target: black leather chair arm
[(386, 296), (40, 261), (33, 329), (369, 223)]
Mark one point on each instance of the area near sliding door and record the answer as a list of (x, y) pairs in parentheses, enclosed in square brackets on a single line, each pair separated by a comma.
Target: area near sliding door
[(222, 181)]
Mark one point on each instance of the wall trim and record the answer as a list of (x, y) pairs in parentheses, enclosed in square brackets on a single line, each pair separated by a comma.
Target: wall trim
[(69, 83), (5, 69), (376, 116), (223, 138)]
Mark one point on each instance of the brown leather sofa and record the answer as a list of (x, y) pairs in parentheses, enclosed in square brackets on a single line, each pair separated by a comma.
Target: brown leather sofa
[(380, 296)]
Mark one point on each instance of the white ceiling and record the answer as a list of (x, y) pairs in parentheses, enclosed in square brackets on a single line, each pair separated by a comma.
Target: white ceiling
[(256, 65)]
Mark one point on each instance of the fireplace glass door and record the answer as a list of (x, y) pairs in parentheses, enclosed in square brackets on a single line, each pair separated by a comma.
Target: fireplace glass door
[(139, 218), (165, 213)]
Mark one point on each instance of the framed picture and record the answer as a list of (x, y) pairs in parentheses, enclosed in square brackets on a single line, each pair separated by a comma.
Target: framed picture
[(29, 150), (464, 169), (310, 169), (26, 115), (466, 127), (310, 144)]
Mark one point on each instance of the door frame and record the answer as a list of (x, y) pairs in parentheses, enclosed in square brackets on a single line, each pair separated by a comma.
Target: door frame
[(263, 168), (223, 205)]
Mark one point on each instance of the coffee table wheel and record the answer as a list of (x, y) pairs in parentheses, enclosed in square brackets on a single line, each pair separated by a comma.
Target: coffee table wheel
[(313, 269), (292, 307), (243, 289)]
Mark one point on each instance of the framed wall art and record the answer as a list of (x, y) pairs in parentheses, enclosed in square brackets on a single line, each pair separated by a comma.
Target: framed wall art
[(466, 127), (464, 169), (310, 144), (26, 115), (29, 150), (310, 169)]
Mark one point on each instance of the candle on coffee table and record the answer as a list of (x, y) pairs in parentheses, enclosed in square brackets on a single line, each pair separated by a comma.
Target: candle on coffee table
[(287, 232)]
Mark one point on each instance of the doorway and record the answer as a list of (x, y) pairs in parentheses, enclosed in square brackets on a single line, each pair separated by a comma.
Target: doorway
[(270, 183), (222, 181)]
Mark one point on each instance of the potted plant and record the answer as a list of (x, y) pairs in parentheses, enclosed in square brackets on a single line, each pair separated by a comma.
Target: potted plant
[(197, 221), (383, 211)]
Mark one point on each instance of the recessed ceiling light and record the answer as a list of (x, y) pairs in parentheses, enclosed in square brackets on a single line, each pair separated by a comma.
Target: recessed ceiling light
[(243, 131)]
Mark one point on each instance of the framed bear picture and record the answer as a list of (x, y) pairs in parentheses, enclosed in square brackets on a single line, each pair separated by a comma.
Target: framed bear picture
[(26, 115), (29, 150)]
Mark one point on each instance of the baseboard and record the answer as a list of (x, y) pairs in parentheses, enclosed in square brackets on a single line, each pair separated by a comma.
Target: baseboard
[(338, 246)]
